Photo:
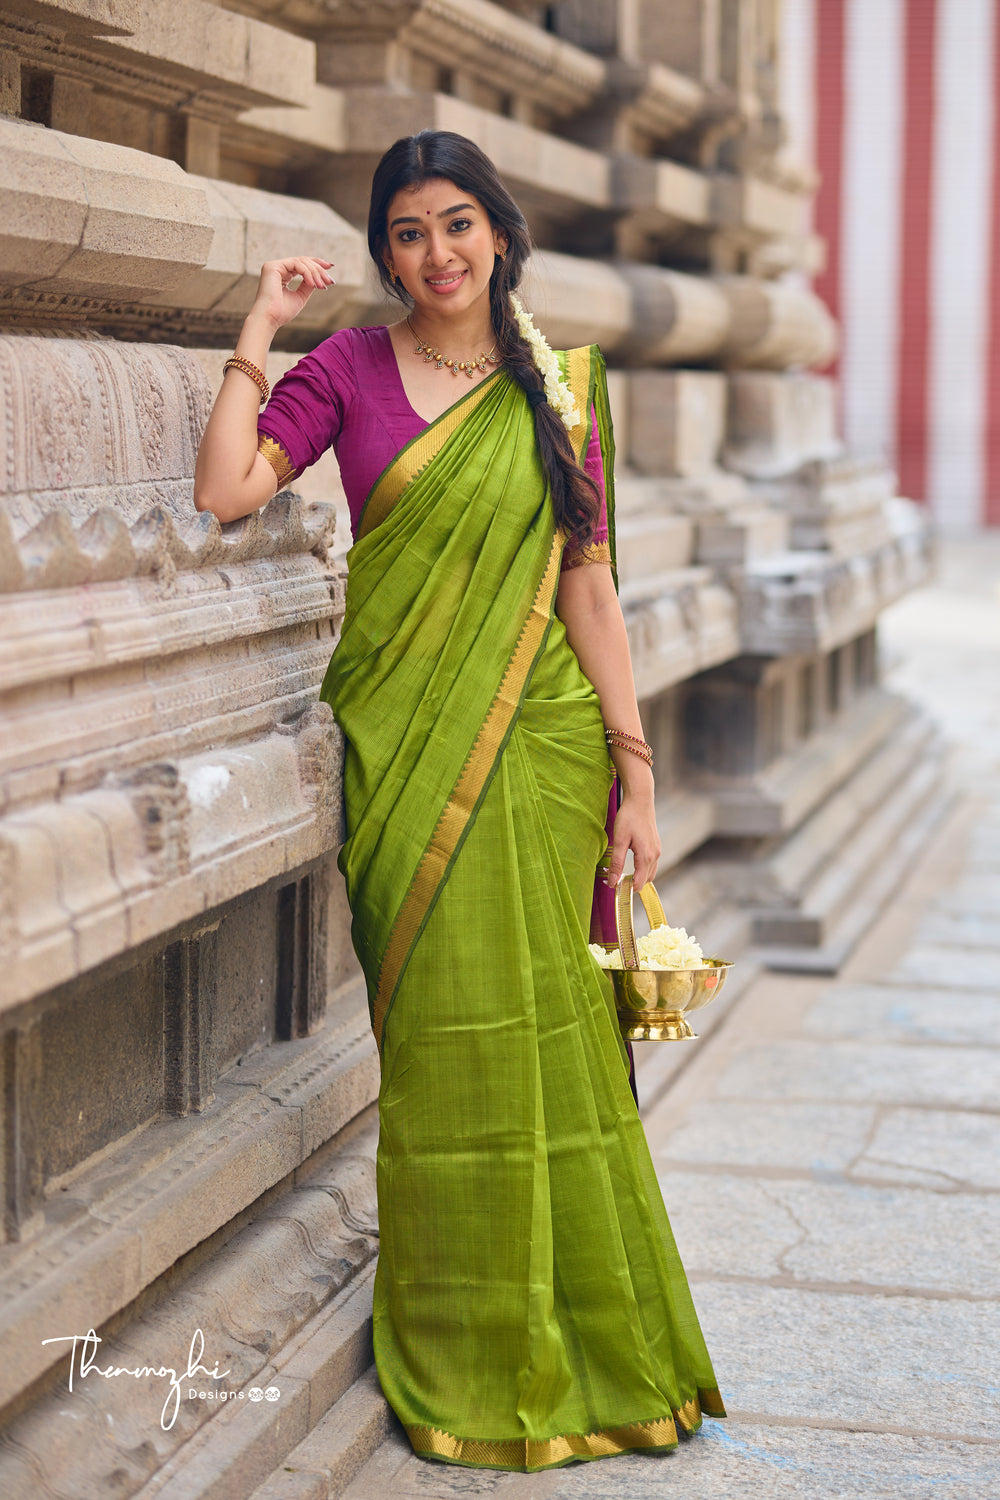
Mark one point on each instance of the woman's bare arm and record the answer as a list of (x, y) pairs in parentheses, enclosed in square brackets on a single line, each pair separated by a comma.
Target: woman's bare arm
[(230, 477), (588, 607)]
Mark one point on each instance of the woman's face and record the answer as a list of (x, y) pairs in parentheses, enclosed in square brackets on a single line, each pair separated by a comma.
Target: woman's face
[(442, 245)]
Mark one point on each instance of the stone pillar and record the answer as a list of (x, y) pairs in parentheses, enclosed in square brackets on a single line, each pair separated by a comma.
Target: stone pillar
[(10, 83), (189, 985)]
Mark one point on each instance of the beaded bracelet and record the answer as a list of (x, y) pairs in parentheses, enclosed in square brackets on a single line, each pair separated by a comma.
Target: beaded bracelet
[(623, 741), (237, 362)]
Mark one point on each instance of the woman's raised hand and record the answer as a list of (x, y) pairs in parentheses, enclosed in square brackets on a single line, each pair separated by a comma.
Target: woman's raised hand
[(275, 301)]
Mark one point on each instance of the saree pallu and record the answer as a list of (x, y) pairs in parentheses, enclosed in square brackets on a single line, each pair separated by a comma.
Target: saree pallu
[(530, 1307)]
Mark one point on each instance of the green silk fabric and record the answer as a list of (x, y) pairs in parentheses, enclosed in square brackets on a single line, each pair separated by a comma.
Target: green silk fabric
[(530, 1305)]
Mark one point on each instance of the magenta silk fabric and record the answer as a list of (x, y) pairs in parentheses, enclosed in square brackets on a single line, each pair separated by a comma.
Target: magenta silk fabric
[(348, 393)]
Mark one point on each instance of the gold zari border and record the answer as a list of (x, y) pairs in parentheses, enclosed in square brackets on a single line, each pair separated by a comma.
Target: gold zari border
[(597, 552), (525, 1455), (277, 458), (465, 793)]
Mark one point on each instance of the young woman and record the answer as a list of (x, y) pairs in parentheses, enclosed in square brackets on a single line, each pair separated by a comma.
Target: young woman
[(530, 1304)]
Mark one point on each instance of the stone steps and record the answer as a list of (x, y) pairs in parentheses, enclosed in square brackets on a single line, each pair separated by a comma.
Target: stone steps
[(838, 906), (279, 1301), (339, 1447)]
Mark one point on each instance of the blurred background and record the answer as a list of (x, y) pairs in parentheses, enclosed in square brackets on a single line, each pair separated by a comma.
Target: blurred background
[(780, 219)]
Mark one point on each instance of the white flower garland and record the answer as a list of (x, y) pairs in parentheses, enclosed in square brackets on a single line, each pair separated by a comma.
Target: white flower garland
[(557, 392)]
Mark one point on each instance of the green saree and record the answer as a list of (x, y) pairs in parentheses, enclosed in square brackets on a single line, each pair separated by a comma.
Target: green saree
[(530, 1304)]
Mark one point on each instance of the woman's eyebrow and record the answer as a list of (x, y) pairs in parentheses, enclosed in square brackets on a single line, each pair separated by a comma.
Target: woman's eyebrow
[(412, 219)]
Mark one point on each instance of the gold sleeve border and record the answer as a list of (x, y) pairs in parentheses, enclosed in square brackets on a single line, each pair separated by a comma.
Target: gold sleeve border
[(597, 552), (278, 459)]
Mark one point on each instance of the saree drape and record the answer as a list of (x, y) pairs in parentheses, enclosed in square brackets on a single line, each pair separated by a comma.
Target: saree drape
[(530, 1306)]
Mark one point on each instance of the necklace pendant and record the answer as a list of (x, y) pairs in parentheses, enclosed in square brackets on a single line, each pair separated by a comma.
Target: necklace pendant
[(469, 369)]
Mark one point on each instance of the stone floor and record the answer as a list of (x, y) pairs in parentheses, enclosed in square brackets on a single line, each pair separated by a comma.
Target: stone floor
[(831, 1164)]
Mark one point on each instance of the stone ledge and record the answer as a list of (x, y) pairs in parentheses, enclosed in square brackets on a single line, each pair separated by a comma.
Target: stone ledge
[(123, 233), (150, 619), (576, 301), (804, 602), (652, 542), (103, 547), (191, 54), (99, 873), (780, 424), (674, 317), (750, 203), (774, 325), (557, 176), (93, 219), (78, 17), (661, 195), (306, 1330), (249, 227), (678, 623), (772, 802), (661, 102)]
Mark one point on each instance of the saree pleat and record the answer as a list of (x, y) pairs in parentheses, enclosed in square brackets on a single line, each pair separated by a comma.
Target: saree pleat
[(530, 1306)]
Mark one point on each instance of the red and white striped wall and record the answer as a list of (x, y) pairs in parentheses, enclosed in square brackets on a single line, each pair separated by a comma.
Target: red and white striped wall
[(898, 104)]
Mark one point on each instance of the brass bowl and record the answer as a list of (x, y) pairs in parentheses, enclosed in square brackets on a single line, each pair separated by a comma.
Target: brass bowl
[(652, 1003)]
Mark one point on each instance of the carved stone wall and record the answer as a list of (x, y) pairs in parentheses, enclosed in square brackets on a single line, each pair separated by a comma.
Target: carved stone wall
[(188, 1071)]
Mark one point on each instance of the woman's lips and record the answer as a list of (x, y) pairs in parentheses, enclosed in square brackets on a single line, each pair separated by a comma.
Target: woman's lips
[(446, 286)]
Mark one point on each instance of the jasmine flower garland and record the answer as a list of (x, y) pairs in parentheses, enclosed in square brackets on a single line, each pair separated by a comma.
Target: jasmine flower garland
[(557, 392)]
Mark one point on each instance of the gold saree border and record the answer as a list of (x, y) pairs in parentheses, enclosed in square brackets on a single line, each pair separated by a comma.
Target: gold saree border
[(417, 454), (526, 1455), (466, 792), (579, 379)]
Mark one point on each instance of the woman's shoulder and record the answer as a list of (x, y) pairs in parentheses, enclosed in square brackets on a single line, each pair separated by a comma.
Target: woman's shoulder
[(347, 356), (351, 345)]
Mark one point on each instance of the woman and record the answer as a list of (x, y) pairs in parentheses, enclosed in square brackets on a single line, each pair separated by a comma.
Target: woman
[(530, 1305)]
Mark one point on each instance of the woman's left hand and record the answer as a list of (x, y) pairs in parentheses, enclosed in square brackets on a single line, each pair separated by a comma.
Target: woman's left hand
[(635, 829)]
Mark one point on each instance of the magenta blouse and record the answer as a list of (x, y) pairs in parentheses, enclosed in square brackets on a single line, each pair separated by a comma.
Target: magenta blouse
[(348, 393)]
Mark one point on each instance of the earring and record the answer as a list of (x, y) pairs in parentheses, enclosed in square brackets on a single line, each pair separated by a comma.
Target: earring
[(502, 252), (392, 273)]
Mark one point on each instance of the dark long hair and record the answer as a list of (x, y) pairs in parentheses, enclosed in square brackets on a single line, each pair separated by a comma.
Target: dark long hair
[(415, 159)]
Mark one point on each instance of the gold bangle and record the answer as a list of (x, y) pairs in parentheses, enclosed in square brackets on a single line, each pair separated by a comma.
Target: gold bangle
[(237, 362)]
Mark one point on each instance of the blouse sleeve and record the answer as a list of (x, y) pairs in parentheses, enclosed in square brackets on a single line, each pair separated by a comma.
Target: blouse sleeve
[(599, 550), (306, 410)]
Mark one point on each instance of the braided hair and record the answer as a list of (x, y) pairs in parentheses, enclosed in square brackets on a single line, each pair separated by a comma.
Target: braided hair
[(413, 160)]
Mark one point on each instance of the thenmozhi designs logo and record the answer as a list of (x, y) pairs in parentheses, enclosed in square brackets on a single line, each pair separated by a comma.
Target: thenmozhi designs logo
[(83, 1362)]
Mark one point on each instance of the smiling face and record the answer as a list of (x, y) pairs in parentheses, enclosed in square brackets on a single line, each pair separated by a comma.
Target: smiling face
[(442, 247)]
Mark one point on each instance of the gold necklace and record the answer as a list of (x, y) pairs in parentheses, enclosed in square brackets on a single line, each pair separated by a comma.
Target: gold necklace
[(435, 357)]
